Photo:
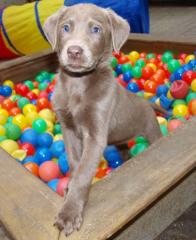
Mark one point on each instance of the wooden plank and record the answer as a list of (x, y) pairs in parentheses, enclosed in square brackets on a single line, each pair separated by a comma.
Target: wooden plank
[(27, 206)]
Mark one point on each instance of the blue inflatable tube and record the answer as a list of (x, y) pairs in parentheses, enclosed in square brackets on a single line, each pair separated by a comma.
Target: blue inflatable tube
[(136, 12)]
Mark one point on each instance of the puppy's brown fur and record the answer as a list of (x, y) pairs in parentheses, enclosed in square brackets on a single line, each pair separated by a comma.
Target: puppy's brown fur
[(91, 106)]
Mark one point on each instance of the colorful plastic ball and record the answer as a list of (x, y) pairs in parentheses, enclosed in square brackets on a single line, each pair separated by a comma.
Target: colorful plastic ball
[(31, 96), (20, 120), (165, 102), (178, 101), (48, 171), (44, 140), (53, 184), (47, 114), (173, 65), (193, 85), (29, 84), (114, 62), (141, 139), (118, 69), (100, 173), (8, 83), (179, 89), (9, 145), (62, 185), (3, 116), (14, 111), (43, 86), (19, 154), (32, 168), (180, 110), (127, 76), (150, 86), (173, 124), (162, 90), (134, 56), (190, 96), (32, 116), (30, 136), (57, 128), (140, 62), (147, 72), (7, 91), (28, 147), (30, 159), (63, 163), (8, 104), (133, 87), (2, 130), (39, 125), (42, 103), (123, 59), (13, 131), (112, 155), (43, 154), (137, 148), (192, 107), (167, 56), (189, 58), (164, 130), (28, 108), (22, 102), (188, 76), (127, 67), (57, 148), (137, 72)]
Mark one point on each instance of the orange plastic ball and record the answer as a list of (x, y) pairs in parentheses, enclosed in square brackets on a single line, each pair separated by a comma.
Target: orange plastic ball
[(8, 104), (192, 107), (49, 170), (14, 111), (173, 124), (150, 86), (158, 78), (32, 167)]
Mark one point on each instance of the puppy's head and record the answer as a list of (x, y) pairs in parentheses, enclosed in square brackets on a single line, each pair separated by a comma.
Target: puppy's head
[(83, 35)]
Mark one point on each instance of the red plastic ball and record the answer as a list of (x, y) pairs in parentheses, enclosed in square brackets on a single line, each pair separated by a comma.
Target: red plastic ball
[(42, 103), (123, 59), (117, 54), (188, 76), (192, 107), (143, 55), (147, 72), (28, 147), (24, 89), (62, 185), (100, 173), (121, 82), (179, 89), (140, 83), (150, 86), (33, 168), (36, 84), (48, 171), (43, 94), (50, 88), (31, 96), (159, 79)]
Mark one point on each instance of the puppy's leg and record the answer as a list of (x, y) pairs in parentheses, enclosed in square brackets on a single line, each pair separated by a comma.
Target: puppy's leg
[(71, 214)]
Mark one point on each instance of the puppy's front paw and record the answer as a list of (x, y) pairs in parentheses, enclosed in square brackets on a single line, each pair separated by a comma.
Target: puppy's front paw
[(69, 218)]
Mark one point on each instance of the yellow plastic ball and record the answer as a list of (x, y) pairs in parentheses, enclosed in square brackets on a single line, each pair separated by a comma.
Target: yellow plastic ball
[(19, 154), (36, 91), (103, 164), (58, 137), (50, 126), (169, 95), (20, 120), (148, 95), (9, 145), (152, 65), (29, 108), (134, 56), (162, 121), (193, 85), (180, 110), (158, 101), (55, 160), (47, 114), (8, 83), (189, 58), (3, 116), (95, 179), (2, 131), (31, 116)]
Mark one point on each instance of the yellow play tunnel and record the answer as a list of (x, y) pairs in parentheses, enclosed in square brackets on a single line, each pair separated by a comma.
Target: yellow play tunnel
[(21, 30)]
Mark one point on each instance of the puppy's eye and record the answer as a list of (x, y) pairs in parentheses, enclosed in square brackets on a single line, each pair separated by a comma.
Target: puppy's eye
[(66, 28), (95, 29)]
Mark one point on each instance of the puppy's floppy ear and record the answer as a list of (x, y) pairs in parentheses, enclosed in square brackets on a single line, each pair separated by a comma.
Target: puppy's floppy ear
[(51, 27), (119, 29)]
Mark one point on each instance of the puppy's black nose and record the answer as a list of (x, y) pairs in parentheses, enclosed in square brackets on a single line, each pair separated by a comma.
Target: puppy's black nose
[(74, 52)]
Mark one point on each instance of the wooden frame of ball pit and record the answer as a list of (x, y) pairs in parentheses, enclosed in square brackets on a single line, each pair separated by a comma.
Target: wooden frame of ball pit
[(136, 201)]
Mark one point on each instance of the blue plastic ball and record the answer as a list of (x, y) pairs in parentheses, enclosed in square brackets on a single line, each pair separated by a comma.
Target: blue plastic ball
[(133, 87), (7, 91), (43, 155), (127, 76), (153, 99), (44, 140), (118, 69), (53, 184), (30, 159), (34, 101), (112, 155), (192, 63), (30, 136), (162, 89), (172, 78), (186, 67), (63, 163), (57, 148), (165, 102), (50, 96)]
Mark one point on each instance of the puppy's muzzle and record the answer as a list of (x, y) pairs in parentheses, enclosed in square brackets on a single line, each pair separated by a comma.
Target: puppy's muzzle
[(74, 52)]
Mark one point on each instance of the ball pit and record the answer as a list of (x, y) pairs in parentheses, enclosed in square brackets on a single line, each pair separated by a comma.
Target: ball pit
[(29, 130)]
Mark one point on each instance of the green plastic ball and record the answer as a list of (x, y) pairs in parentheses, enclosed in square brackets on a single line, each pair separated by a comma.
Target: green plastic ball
[(10, 118), (190, 96), (137, 148), (29, 84), (22, 102), (150, 55), (126, 67), (114, 62), (114, 74), (57, 128), (178, 101), (167, 56), (141, 139), (39, 125), (140, 63), (173, 65), (2, 138), (137, 72), (15, 97), (164, 130), (13, 131), (140, 94), (43, 86)]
